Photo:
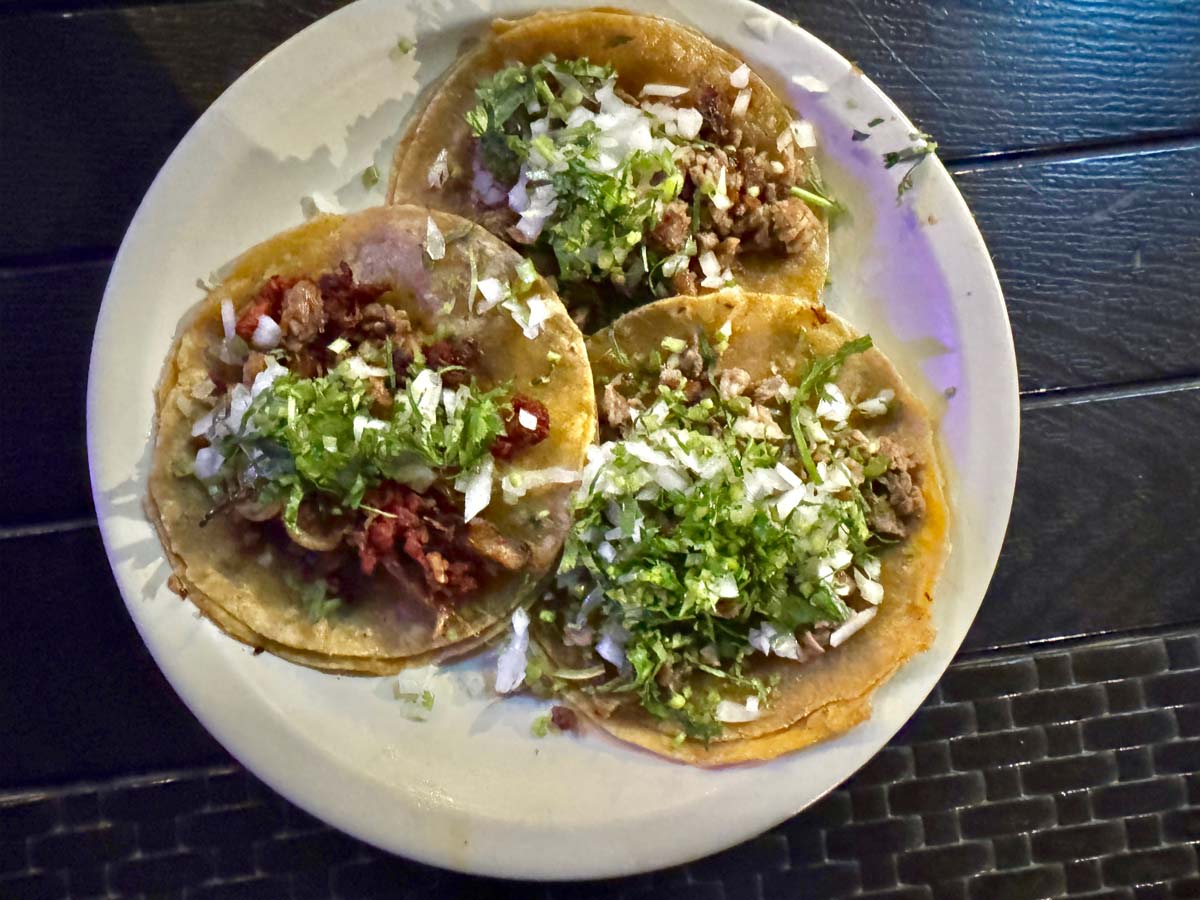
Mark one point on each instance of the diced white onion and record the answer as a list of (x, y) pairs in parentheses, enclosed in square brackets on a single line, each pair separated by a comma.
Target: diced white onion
[(851, 626), (877, 405), (527, 420), (516, 485), (208, 463), (740, 77), (663, 90), (871, 591), (510, 665), (492, 291), (363, 423), (726, 586), (804, 134), (228, 319), (732, 713), (689, 121), (267, 333), (359, 368), (741, 103), (476, 488), (427, 391), (611, 645)]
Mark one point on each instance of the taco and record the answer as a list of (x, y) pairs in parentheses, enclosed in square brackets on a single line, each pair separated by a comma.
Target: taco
[(365, 439), (628, 156), (757, 535)]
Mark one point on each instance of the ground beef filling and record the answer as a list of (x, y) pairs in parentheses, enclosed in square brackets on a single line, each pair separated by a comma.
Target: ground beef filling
[(418, 539), (763, 216)]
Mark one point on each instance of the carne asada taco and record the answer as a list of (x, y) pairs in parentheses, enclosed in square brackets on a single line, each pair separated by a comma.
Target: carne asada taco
[(366, 436), (756, 536), (628, 156)]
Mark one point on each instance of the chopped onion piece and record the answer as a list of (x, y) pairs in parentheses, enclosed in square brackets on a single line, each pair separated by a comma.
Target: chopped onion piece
[(877, 405), (476, 488), (510, 665), (208, 463), (527, 420), (726, 587), (804, 134), (228, 319), (363, 423), (689, 121), (851, 626), (740, 77), (871, 591), (357, 367), (435, 241), (493, 292), (741, 103), (267, 333), (663, 90), (732, 713)]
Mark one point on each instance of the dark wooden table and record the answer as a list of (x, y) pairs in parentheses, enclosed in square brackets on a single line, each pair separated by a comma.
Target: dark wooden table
[(1059, 756)]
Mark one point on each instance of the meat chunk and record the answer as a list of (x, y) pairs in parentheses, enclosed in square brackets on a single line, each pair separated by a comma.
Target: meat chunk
[(303, 315), (732, 382), (769, 388), (458, 356), (671, 234), (516, 436), (614, 406), (486, 540), (344, 298), (795, 225), (892, 512), (563, 718)]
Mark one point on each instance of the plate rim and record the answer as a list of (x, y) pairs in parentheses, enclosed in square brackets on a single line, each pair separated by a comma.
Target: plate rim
[(342, 815)]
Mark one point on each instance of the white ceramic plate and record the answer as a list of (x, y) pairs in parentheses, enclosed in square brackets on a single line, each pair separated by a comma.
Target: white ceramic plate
[(471, 788)]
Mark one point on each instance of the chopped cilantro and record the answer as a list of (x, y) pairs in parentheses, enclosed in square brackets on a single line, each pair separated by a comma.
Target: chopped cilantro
[(878, 120), (305, 437), (687, 538), (370, 176), (537, 123), (923, 147)]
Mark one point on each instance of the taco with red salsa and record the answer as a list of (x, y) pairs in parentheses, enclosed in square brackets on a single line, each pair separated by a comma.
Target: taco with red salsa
[(366, 437)]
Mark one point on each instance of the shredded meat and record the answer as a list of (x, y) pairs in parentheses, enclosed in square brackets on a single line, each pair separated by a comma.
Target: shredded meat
[(303, 316), (345, 299), (516, 436), (421, 530)]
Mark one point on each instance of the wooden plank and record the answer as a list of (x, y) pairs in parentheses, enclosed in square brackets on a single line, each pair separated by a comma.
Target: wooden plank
[(1100, 538), (124, 85), (1095, 257), (1098, 260), (47, 316), (82, 698)]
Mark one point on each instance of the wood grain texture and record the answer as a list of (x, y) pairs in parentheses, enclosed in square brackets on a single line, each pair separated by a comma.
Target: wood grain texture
[(83, 697), (1102, 532), (1098, 260), (84, 139), (47, 316)]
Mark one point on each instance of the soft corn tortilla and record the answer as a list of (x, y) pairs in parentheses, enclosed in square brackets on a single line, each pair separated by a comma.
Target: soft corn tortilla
[(381, 631), (642, 50), (821, 698)]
